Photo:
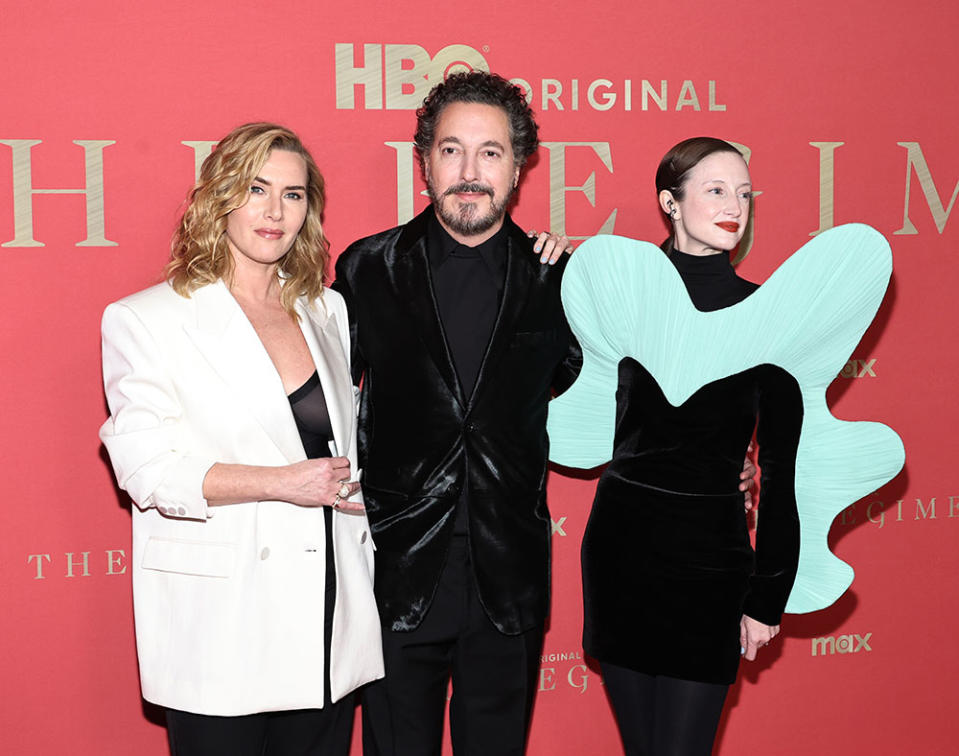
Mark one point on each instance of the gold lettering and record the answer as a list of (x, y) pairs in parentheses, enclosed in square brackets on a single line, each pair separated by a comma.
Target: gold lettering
[(609, 98), (848, 515), (882, 514), (558, 187), (84, 562), (575, 91), (369, 75), (115, 558), (406, 86), (925, 511), (578, 671), (201, 151), (953, 505), (687, 96), (547, 678), (23, 192), (551, 92), (525, 86), (404, 180), (916, 160), (39, 558), (659, 99), (827, 203), (713, 105), (628, 94)]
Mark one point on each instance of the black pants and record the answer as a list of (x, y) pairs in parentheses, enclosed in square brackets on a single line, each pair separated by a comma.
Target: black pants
[(305, 732), (494, 677), (664, 716)]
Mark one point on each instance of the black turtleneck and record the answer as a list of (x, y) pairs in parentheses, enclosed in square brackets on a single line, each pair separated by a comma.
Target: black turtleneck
[(711, 281)]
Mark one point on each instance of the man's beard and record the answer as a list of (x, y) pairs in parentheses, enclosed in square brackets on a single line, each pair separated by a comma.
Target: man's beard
[(466, 220)]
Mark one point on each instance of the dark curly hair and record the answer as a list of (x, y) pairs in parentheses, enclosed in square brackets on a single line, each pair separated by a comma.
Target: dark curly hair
[(486, 89)]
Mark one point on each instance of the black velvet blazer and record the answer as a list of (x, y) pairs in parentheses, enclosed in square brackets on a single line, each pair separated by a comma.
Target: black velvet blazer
[(423, 441)]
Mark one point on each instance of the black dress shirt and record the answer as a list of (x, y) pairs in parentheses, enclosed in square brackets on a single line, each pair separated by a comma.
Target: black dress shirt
[(468, 286)]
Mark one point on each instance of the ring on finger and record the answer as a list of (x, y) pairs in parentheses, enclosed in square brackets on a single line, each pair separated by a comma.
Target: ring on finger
[(344, 491), (336, 501)]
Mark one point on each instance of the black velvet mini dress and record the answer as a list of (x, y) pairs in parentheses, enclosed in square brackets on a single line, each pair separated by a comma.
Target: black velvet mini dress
[(668, 566)]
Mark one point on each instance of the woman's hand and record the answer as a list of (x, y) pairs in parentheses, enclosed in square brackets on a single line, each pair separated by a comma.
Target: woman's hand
[(319, 483), (747, 479), (550, 247), (753, 635)]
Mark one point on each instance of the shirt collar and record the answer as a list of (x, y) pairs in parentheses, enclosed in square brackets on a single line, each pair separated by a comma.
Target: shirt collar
[(440, 245)]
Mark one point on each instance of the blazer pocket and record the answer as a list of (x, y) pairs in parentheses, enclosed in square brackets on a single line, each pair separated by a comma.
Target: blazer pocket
[(201, 558), (526, 339)]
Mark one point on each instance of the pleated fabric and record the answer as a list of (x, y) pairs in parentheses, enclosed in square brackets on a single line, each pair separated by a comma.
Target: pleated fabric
[(623, 298)]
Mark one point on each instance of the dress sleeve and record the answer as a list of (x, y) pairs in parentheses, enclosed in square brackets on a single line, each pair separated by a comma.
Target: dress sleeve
[(145, 436), (777, 530)]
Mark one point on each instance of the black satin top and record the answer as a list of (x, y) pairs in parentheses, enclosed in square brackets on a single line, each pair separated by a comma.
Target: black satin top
[(312, 418)]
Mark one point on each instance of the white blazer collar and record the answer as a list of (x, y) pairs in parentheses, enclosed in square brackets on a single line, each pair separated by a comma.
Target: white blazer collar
[(228, 341), (321, 332)]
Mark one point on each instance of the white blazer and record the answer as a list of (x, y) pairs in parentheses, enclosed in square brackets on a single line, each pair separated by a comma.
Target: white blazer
[(229, 600)]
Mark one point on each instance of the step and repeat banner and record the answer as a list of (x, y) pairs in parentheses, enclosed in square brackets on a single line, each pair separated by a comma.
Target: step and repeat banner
[(847, 112)]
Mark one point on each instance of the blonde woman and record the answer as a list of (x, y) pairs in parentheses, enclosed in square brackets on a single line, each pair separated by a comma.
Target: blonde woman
[(232, 427)]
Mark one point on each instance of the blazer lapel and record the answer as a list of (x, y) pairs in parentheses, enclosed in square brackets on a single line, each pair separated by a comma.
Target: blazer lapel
[(321, 332), (515, 293), (227, 340), (414, 285)]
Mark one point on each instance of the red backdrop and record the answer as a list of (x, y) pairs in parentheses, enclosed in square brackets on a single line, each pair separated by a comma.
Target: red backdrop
[(848, 110)]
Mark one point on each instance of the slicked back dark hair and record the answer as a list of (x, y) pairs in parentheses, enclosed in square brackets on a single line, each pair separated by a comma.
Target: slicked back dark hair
[(485, 89), (678, 162), (682, 158)]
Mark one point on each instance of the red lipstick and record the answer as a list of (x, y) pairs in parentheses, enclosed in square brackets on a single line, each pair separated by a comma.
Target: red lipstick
[(730, 226)]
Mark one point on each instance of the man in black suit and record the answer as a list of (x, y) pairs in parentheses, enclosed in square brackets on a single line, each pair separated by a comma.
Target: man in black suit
[(459, 338)]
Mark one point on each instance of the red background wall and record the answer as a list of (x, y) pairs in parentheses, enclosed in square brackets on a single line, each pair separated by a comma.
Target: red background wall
[(785, 76)]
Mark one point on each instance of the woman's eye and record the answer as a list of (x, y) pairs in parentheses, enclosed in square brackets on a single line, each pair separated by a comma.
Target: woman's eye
[(256, 189), (294, 195)]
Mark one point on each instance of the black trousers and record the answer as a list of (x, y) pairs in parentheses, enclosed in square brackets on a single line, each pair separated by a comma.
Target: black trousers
[(663, 716), (304, 732), (494, 677)]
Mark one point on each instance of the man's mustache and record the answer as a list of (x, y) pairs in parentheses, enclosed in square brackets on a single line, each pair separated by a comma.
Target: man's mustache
[(468, 188)]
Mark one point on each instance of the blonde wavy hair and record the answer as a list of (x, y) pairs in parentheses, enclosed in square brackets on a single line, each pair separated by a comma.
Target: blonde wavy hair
[(199, 254)]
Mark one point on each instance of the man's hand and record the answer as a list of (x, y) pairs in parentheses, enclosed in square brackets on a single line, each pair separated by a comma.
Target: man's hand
[(747, 479), (550, 247)]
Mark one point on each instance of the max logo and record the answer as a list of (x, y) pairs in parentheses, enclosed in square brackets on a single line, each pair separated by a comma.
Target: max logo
[(557, 526), (858, 369), (844, 644)]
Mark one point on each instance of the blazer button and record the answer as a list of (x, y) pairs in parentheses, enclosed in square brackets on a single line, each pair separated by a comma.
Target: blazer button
[(470, 427), (181, 511), (265, 553)]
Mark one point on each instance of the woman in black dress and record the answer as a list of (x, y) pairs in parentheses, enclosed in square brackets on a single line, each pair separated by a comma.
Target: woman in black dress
[(673, 590)]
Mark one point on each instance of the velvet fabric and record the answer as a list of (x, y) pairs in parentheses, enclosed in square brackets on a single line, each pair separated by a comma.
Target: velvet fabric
[(668, 568), (424, 440)]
